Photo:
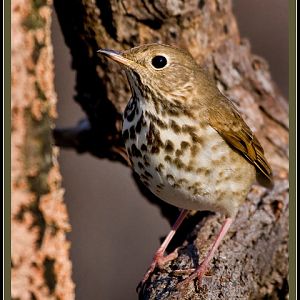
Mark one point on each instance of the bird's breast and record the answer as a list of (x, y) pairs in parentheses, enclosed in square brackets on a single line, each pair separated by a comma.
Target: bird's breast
[(184, 162)]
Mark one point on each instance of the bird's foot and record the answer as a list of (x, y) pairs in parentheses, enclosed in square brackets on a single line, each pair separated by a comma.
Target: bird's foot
[(163, 260), (159, 258), (160, 261), (201, 270), (184, 272), (199, 274)]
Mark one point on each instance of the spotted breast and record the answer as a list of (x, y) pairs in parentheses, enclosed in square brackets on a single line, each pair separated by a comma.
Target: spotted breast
[(184, 162)]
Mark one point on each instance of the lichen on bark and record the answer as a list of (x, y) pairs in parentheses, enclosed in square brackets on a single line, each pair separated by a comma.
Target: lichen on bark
[(41, 268)]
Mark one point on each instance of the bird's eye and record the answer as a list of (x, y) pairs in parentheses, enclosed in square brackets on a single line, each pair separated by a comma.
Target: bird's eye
[(159, 61)]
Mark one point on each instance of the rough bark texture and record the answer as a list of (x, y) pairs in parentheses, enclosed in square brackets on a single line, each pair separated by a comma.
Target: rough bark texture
[(252, 262), (41, 268)]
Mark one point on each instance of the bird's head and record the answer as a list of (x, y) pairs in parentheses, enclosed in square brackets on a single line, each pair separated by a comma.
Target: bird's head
[(161, 68)]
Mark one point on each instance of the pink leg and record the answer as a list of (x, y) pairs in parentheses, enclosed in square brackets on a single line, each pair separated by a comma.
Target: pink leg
[(159, 258), (203, 267)]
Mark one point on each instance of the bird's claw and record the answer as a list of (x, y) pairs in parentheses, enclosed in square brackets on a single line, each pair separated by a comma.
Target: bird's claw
[(199, 274), (159, 261)]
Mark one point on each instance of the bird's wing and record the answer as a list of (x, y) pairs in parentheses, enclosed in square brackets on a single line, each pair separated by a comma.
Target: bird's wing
[(229, 124)]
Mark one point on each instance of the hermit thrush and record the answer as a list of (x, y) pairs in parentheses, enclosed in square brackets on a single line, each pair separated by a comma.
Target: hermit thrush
[(186, 141)]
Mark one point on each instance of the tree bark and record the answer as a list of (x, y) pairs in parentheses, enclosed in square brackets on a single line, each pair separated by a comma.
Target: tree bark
[(41, 268), (252, 262)]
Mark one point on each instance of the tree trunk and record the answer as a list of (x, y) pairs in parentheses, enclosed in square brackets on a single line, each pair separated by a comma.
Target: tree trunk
[(41, 268), (252, 262)]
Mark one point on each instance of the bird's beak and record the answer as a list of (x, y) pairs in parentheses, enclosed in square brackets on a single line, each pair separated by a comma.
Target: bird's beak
[(118, 57)]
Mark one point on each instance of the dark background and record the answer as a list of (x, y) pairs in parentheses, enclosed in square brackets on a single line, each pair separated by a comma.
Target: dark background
[(115, 231)]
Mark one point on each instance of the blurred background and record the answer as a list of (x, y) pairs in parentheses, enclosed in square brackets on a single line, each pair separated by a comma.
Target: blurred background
[(115, 231)]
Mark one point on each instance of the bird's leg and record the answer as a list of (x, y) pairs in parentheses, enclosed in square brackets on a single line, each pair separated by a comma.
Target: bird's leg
[(200, 271), (159, 258)]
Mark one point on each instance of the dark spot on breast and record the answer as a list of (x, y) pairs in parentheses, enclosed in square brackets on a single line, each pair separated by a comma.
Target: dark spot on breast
[(147, 174), (150, 134), (125, 134), (189, 112), (170, 177), (173, 111), (146, 160), (178, 152), (159, 168), (221, 173), (159, 122), (169, 146), (129, 112), (194, 150), (196, 138), (154, 100), (137, 78), (132, 134), (188, 129), (194, 188), (207, 172), (184, 145), (145, 182), (139, 124), (154, 150), (144, 177), (135, 151), (200, 170), (177, 102), (144, 147), (176, 186), (160, 186), (188, 168), (168, 158), (218, 162), (153, 139), (182, 181), (191, 164), (176, 128), (178, 163), (141, 166)]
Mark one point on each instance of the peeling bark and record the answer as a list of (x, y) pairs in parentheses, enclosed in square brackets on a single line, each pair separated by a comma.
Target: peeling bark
[(252, 262), (41, 268)]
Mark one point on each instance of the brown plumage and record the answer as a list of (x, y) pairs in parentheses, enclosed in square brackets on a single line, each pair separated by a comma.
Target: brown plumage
[(230, 125), (186, 140)]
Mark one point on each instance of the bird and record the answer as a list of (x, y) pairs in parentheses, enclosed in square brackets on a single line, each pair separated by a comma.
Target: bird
[(186, 141)]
